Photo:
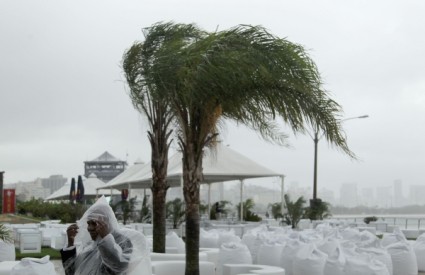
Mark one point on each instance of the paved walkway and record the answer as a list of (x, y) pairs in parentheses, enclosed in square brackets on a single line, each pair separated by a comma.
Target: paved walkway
[(58, 267)]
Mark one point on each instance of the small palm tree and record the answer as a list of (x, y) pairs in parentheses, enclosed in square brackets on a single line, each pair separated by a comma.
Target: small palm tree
[(5, 234), (247, 210), (319, 210), (145, 212), (175, 211), (223, 210), (127, 208), (203, 208), (295, 212), (276, 210)]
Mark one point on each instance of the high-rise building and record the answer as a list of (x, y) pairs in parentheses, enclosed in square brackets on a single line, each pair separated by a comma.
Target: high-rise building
[(295, 191), (417, 194), (40, 188), (348, 194), (327, 195), (53, 182), (366, 197), (384, 197), (398, 193)]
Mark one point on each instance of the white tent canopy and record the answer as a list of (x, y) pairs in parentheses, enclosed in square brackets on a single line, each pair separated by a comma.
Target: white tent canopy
[(126, 179), (219, 165), (90, 188)]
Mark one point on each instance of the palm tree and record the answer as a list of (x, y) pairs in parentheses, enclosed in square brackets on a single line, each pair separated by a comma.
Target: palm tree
[(145, 80), (145, 211), (276, 210), (175, 211), (319, 211), (223, 210), (126, 207), (203, 208), (247, 208), (245, 74), (295, 212)]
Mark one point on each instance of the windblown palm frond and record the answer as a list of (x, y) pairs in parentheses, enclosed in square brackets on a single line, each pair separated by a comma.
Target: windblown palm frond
[(251, 77), (5, 234)]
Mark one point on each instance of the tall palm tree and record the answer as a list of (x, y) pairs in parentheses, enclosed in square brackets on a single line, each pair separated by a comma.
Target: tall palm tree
[(245, 74), (145, 80)]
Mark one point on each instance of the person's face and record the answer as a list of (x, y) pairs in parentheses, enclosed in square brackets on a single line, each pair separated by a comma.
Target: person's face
[(91, 227)]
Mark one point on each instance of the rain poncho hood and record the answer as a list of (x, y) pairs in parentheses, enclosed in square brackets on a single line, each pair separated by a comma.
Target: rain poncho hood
[(119, 252)]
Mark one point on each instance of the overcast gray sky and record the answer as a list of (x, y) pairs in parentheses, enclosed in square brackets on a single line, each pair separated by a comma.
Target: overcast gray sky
[(63, 98)]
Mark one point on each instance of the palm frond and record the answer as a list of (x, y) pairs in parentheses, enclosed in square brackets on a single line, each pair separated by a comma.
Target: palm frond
[(5, 234), (254, 77)]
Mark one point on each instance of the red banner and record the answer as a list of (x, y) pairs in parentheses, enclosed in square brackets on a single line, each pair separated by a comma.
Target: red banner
[(9, 201)]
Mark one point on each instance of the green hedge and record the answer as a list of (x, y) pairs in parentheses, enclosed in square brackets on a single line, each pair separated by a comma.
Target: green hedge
[(65, 212)]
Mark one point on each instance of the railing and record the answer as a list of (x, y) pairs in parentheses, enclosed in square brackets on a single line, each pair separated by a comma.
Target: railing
[(408, 223), (400, 221)]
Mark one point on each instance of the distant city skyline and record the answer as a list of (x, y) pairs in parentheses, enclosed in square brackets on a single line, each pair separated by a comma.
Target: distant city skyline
[(349, 194)]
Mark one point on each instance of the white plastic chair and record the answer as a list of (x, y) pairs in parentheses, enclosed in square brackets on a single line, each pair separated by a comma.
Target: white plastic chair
[(29, 240)]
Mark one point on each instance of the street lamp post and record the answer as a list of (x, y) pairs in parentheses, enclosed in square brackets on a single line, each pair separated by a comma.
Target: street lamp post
[(316, 139)]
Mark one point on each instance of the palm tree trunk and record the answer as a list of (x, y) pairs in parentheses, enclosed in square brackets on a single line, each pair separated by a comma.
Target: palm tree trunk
[(192, 174), (192, 239), (159, 189), (159, 193)]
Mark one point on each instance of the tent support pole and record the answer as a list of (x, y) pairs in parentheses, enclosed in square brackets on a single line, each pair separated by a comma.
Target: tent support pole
[(241, 200), (209, 200), (282, 199)]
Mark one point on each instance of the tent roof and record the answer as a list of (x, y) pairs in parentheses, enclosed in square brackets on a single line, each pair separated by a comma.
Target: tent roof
[(137, 171), (90, 186), (105, 157), (220, 164)]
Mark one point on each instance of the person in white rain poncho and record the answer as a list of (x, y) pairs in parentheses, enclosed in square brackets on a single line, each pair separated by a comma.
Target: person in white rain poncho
[(97, 246)]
